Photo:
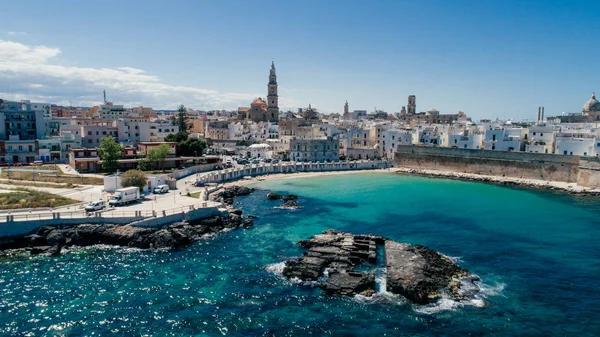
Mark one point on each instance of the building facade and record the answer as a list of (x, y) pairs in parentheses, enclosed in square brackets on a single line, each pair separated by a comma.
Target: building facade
[(314, 150)]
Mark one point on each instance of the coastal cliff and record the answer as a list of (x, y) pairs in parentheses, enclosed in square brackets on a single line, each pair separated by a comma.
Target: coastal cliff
[(418, 273)]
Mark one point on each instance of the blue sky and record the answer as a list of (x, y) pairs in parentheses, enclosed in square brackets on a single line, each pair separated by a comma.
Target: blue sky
[(487, 58)]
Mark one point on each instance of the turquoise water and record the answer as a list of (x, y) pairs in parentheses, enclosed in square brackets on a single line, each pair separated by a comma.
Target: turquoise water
[(536, 252)]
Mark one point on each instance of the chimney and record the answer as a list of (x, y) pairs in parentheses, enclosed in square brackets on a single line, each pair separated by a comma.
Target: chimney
[(539, 113), (542, 114)]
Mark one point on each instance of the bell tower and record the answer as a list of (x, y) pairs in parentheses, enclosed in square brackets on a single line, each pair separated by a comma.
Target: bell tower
[(272, 97)]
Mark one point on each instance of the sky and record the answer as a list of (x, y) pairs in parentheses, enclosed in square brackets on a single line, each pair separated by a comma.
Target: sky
[(490, 59)]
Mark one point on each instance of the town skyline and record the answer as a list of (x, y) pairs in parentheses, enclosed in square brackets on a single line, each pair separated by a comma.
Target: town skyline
[(42, 63)]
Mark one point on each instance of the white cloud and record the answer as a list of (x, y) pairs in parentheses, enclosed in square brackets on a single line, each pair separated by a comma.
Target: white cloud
[(16, 33), (30, 73)]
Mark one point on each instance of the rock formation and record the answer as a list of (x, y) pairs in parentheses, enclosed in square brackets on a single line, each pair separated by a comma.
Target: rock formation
[(416, 272), (229, 193), (49, 240), (290, 201)]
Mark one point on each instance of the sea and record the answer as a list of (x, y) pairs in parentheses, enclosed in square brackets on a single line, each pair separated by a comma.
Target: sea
[(536, 253)]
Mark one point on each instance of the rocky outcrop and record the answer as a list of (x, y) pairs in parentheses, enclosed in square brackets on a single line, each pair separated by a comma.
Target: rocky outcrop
[(229, 193), (339, 253), (50, 240), (416, 272)]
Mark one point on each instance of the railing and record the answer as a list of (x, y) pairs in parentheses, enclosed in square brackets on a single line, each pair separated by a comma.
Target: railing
[(107, 214)]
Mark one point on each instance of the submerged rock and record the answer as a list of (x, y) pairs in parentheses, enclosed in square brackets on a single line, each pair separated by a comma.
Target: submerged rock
[(274, 196), (416, 272)]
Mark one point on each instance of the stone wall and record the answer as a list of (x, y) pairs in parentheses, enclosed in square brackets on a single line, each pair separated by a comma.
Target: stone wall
[(589, 172), (498, 163)]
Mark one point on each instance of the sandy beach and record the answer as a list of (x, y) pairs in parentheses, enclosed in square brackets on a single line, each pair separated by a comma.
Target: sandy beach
[(571, 188), (243, 182)]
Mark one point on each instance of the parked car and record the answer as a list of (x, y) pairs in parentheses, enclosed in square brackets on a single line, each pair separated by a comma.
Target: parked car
[(218, 167), (275, 161), (255, 161), (268, 160), (228, 165), (200, 183), (161, 189), (94, 206)]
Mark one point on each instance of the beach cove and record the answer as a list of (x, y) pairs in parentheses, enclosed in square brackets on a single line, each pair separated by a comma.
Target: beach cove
[(535, 252)]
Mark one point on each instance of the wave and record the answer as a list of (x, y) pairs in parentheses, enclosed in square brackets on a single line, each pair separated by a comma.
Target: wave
[(476, 294)]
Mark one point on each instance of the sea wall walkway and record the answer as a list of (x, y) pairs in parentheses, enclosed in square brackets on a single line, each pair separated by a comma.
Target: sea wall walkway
[(290, 167), (21, 224)]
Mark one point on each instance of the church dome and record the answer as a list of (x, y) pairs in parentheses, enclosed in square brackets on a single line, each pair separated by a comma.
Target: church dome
[(592, 104)]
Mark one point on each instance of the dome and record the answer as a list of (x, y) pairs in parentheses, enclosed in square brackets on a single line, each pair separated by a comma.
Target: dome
[(259, 146), (592, 104)]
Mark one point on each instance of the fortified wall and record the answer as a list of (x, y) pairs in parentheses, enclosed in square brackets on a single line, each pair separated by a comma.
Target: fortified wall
[(572, 169)]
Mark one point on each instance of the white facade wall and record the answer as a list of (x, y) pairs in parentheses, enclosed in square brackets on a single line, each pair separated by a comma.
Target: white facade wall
[(392, 138), (576, 146), (472, 141)]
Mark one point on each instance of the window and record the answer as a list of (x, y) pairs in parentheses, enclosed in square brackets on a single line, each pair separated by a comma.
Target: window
[(565, 152), (103, 132), (89, 133), (534, 133), (90, 141), (585, 153), (542, 134)]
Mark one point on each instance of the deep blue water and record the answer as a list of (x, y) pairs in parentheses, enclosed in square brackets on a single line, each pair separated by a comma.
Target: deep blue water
[(536, 252)]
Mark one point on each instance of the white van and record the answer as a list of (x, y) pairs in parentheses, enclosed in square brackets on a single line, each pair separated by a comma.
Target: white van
[(161, 189), (94, 206)]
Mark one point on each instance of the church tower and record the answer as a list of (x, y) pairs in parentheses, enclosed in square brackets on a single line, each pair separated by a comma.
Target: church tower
[(346, 108), (272, 97), (412, 105)]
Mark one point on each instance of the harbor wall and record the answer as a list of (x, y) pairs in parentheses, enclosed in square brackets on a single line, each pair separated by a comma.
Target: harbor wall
[(497, 163)]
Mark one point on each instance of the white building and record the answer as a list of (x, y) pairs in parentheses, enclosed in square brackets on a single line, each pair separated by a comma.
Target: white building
[(540, 139), (505, 139), (467, 140), (260, 151), (391, 139), (576, 146), (132, 131)]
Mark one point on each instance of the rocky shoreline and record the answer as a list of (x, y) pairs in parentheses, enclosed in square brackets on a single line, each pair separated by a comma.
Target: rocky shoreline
[(50, 240), (336, 260), (570, 188)]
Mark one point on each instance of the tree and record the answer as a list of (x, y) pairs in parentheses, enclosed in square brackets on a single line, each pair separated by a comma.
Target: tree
[(192, 147), (158, 154), (144, 165), (110, 152), (181, 119), (176, 137), (134, 178), (187, 146)]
